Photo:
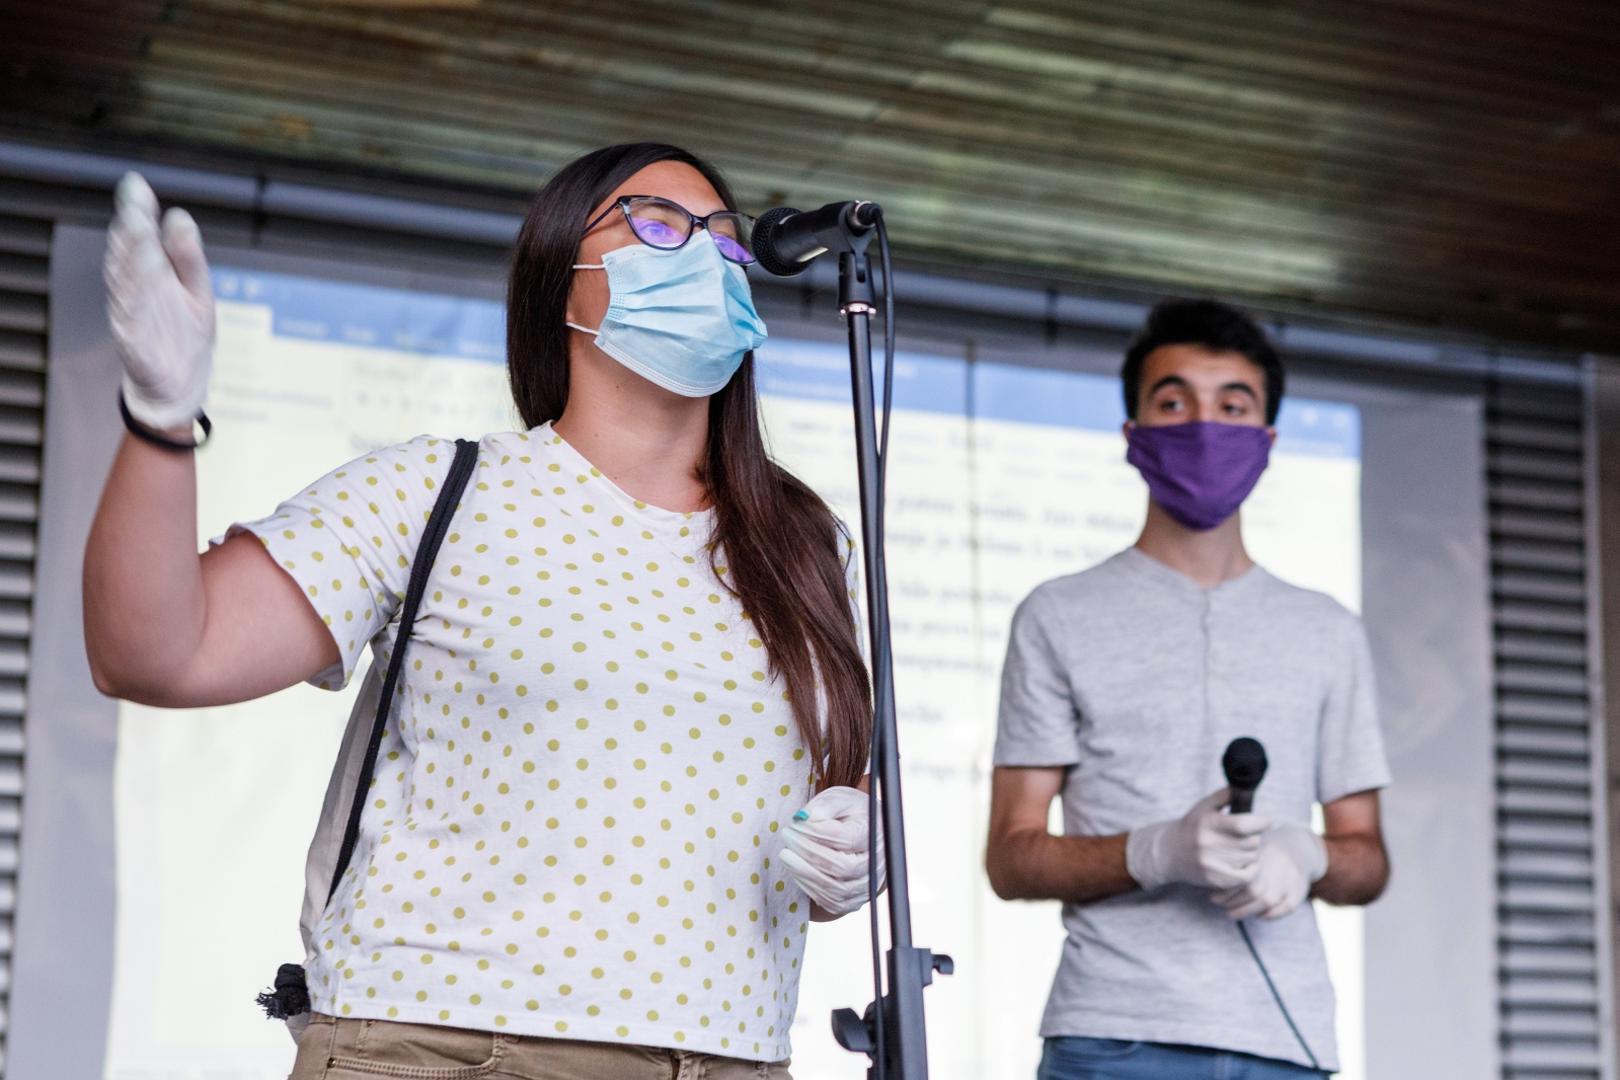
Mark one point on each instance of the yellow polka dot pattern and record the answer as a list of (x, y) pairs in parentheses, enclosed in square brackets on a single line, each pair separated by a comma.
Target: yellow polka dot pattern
[(576, 815)]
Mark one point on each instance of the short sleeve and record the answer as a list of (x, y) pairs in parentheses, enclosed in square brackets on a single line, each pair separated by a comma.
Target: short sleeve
[(1350, 746), (1036, 725), (348, 540)]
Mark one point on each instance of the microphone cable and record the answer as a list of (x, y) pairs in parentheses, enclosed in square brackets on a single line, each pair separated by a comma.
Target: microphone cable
[(888, 359), (1243, 930), (1244, 764), (880, 562)]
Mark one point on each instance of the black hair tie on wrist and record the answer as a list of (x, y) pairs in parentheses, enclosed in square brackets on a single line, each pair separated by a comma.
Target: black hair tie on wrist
[(147, 435)]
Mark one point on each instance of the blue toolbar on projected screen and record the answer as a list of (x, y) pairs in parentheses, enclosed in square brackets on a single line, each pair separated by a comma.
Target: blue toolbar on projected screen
[(991, 391), (371, 316), (433, 324)]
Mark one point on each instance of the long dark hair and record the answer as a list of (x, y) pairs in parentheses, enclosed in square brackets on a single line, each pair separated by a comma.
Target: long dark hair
[(784, 550)]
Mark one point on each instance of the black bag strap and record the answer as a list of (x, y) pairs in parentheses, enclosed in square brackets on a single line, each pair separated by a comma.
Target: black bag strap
[(438, 524)]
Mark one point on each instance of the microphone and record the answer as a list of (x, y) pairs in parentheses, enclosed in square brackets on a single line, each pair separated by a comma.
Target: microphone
[(1245, 766), (785, 239)]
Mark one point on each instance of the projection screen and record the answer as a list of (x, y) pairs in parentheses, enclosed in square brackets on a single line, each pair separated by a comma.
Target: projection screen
[(172, 842)]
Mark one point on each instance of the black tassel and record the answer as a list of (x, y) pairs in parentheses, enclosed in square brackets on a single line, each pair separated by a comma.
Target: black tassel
[(291, 995)]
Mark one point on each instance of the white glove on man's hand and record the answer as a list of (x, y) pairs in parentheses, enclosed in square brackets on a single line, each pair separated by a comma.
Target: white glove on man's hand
[(1204, 847), (824, 849), (1292, 859), (160, 303)]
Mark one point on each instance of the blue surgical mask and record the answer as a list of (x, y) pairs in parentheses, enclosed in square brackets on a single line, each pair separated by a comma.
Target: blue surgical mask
[(682, 319)]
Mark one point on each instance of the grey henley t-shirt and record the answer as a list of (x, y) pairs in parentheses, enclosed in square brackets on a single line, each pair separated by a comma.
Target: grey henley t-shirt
[(1134, 678)]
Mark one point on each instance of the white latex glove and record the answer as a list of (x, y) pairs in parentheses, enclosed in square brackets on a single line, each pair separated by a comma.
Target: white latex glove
[(1292, 859), (824, 849), (160, 303), (1204, 847)]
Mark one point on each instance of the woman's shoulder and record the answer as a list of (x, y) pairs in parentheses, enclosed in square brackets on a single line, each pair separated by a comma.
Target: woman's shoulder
[(506, 446), (434, 452)]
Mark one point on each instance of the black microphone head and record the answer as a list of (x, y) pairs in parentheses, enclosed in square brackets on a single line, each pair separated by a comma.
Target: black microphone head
[(1244, 763), (761, 242)]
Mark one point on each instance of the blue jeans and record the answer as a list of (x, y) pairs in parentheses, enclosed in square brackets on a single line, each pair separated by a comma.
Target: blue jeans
[(1074, 1058)]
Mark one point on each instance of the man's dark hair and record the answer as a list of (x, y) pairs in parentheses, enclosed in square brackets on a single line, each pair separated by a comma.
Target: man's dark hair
[(1212, 325)]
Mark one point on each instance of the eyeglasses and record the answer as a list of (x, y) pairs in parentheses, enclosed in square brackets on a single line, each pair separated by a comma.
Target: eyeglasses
[(668, 225)]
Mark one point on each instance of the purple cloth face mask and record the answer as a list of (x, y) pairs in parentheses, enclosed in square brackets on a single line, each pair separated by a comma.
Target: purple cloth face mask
[(1200, 472)]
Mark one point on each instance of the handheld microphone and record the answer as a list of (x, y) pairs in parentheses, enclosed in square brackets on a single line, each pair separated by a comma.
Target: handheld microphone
[(785, 239), (1245, 765)]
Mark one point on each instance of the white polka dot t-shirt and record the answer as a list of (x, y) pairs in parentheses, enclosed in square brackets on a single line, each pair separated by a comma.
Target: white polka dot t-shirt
[(574, 824)]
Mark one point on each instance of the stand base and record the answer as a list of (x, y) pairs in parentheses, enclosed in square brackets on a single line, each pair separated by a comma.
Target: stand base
[(859, 1033)]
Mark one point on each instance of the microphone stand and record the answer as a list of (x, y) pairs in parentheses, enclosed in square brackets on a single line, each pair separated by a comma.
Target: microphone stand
[(898, 1049)]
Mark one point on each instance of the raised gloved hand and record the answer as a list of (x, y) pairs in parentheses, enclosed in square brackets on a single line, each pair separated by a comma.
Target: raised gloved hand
[(1203, 847), (160, 303), (1292, 859), (824, 850)]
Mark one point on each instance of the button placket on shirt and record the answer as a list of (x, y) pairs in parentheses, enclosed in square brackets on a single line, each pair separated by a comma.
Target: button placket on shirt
[(1207, 628)]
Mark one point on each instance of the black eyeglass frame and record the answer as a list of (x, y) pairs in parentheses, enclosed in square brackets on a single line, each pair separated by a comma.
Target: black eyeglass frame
[(693, 223)]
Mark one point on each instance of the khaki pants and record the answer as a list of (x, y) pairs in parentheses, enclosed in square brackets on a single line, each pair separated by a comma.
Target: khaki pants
[(338, 1049)]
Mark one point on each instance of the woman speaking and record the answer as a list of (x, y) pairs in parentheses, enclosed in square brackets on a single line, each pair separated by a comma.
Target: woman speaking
[(618, 775)]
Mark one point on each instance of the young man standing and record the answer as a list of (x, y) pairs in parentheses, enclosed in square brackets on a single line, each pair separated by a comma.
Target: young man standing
[(1122, 687)]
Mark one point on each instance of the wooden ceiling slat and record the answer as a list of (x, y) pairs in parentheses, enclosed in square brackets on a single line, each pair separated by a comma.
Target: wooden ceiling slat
[(1339, 50), (1433, 159), (1213, 132), (1186, 211), (639, 49), (1091, 235), (1184, 203), (315, 78), (1208, 126)]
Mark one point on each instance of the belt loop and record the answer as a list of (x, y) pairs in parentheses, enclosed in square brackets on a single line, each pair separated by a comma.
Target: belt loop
[(331, 1046)]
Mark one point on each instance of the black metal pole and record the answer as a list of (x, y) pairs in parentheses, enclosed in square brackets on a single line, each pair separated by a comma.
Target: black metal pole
[(904, 1049)]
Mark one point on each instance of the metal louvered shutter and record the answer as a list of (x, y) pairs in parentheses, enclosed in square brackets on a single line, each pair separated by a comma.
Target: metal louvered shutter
[(24, 257), (1549, 814)]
